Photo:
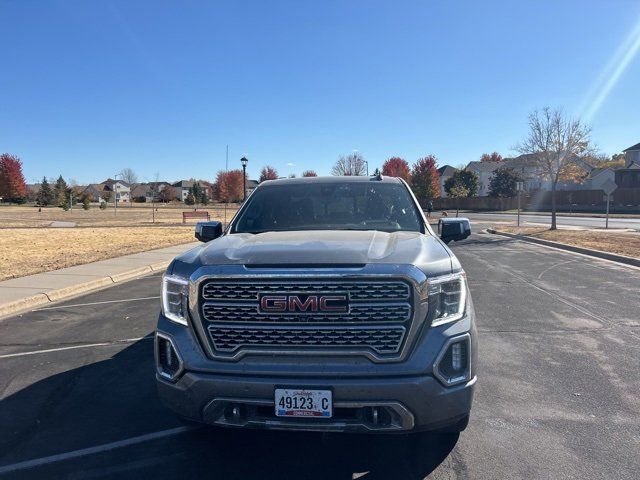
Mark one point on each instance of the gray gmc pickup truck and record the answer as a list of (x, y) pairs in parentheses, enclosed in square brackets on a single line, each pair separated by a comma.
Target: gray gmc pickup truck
[(327, 304)]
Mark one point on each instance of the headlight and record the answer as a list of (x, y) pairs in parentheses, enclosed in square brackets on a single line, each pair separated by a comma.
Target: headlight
[(175, 295), (447, 298)]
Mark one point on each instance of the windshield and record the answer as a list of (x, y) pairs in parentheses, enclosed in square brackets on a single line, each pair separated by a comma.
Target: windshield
[(386, 207)]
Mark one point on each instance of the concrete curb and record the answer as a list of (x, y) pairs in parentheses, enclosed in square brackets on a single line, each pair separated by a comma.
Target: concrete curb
[(39, 299), (571, 248), (23, 304)]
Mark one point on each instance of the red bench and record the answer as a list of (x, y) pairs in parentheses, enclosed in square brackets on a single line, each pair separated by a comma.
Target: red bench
[(199, 214)]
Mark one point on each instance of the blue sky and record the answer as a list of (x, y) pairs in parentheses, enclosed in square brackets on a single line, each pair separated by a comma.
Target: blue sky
[(90, 87)]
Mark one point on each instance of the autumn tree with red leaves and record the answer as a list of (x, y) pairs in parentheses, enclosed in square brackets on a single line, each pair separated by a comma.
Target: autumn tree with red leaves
[(397, 167), (309, 173), (268, 173), (229, 186), (425, 179), (491, 157), (13, 188)]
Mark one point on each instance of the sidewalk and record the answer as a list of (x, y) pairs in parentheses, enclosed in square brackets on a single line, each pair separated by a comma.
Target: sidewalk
[(23, 293)]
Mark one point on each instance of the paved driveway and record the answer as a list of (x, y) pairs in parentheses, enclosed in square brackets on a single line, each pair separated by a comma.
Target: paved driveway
[(558, 394)]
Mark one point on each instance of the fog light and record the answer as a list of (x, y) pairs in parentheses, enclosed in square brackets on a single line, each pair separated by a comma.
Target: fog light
[(168, 361), (453, 365), (456, 356)]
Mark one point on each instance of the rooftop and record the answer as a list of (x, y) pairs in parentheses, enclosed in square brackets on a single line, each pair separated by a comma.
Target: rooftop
[(635, 147), (484, 166)]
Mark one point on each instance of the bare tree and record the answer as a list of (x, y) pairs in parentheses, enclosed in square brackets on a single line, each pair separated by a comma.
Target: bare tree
[(353, 164), (129, 176), (556, 144)]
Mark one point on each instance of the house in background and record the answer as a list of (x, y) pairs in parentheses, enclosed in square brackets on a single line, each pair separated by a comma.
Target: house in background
[(484, 171), (120, 188), (597, 178), (182, 189), (141, 192), (208, 188), (444, 174), (251, 186), (629, 176), (94, 192), (631, 156)]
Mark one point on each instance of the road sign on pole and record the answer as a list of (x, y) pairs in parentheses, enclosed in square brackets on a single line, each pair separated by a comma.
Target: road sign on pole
[(608, 187), (519, 188)]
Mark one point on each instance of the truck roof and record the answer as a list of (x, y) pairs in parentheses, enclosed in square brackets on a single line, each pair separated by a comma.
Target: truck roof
[(331, 179)]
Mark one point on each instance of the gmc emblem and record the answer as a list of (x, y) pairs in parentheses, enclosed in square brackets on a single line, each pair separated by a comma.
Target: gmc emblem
[(304, 303)]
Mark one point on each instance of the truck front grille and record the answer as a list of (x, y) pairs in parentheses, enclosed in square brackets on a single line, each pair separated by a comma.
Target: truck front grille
[(359, 313), (377, 316), (381, 340), (249, 290)]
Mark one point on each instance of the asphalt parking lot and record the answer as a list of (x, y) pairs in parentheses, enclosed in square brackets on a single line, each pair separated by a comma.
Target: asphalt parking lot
[(558, 393)]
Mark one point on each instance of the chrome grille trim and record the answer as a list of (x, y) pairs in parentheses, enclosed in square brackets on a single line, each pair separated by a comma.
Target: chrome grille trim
[(371, 273), (382, 340)]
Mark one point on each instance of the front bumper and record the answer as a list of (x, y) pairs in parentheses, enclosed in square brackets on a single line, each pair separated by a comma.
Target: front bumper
[(360, 405)]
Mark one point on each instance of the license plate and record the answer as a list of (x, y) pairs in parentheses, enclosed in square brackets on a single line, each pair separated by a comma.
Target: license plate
[(300, 402)]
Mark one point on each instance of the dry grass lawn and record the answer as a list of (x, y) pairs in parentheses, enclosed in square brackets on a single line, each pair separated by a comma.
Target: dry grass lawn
[(25, 251), (621, 243), (139, 214)]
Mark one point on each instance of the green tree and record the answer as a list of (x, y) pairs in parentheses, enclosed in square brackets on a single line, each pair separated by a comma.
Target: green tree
[(85, 203), (196, 191), (190, 199), (60, 192), (504, 183), (458, 191), (466, 178), (45, 195)]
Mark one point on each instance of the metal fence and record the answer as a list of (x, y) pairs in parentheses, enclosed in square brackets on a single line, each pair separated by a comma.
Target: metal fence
[(623, 200)]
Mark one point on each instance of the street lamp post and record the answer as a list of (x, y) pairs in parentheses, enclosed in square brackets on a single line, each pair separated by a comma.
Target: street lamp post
[(115, 191), (244, 162)]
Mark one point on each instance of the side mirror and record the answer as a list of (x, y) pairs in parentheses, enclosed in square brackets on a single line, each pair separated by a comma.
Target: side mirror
[(207, 231), (454, 229)]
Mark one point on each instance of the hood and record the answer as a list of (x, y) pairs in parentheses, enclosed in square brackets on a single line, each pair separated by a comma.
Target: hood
[(320, 248)]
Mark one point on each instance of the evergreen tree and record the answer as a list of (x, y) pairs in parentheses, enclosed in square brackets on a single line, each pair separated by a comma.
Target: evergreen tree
[(190, 199), (60, 192), (197, 191), (45, 195)]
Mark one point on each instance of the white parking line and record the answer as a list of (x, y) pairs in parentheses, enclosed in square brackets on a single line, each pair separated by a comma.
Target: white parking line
[(37, 462), (73, 347), (97, 303)]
